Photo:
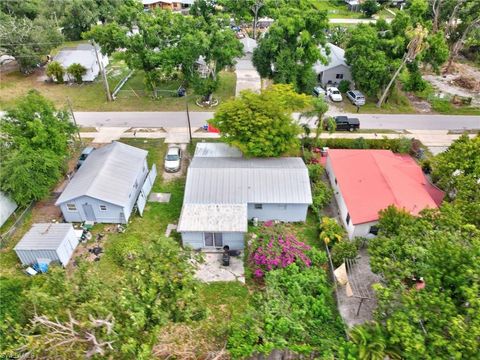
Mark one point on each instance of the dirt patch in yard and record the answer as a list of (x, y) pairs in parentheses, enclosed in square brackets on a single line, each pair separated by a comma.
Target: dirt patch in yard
[(46, 211), (463, 81), (421, 106)]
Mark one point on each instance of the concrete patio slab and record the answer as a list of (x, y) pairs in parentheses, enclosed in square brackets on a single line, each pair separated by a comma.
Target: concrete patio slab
[(212, 270), (348, 305), (159, 197)]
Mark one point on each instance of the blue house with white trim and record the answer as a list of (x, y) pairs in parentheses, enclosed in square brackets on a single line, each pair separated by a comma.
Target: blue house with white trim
[(106, 188)]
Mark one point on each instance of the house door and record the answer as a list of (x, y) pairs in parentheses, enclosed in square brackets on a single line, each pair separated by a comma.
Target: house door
[(89, 214), (213, 239)]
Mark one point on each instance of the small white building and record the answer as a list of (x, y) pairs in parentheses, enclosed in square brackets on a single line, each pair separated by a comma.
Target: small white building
[(46, 243), (335, 70), (83, 54), (368, 181)]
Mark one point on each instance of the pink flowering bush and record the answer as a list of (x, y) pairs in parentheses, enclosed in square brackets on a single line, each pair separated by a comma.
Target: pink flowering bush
[(276, 253)]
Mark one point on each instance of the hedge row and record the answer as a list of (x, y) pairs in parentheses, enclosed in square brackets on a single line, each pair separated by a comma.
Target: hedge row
[(402, 145)]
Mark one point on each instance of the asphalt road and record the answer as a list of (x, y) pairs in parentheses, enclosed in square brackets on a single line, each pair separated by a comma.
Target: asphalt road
[(197, 119)]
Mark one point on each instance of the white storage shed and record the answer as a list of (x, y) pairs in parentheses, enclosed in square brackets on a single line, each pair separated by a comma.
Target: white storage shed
[(47, 242)]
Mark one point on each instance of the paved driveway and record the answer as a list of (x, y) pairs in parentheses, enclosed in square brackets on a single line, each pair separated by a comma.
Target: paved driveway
[(247, 76)]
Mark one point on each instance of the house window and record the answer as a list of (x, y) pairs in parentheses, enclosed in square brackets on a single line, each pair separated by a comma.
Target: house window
[(348, 219), (339, 76), (258, 206), (213, 239), (103, 207), (373, 230), (71, 207)]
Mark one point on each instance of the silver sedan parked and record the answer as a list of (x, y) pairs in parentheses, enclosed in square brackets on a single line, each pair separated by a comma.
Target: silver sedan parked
[(173, 159)]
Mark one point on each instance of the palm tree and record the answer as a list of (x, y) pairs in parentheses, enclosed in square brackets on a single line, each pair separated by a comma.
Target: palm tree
[(416, 45), (319, 108), (371, 342)]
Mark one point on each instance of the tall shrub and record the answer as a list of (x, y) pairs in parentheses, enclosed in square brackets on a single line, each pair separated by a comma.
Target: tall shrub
[(55, 71), (77, 71)]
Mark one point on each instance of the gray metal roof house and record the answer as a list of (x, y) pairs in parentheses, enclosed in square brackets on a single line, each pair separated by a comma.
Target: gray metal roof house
[(336, 70), (46, 243), (107, 186), (83, 54), (224, 190)]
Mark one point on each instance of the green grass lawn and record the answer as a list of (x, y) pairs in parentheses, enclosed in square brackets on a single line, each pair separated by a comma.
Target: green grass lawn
[(337, 10), (91, 96)]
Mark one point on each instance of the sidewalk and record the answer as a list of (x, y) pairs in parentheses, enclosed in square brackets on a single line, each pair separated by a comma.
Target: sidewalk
[(436, 140)]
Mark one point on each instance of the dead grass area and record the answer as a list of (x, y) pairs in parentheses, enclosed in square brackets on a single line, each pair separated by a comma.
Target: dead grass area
[(180, 341)]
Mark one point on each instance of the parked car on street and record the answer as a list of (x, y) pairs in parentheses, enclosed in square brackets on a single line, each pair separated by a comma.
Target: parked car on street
[(356, 97), (334, 94), (83, 156), (318, 91), (173, 159), (346, 123)]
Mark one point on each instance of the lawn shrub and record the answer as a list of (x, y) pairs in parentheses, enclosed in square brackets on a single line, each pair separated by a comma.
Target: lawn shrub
[(441, 105), (330, 231), (322, 195), (344, 250), (344, 86), (402, 145), (315, 172)]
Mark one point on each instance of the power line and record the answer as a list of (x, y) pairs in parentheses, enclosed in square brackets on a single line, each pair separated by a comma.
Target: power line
[(37, 43)]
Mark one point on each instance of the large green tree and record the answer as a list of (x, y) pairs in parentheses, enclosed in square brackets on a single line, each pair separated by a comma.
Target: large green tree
[(438, 319), (168, 43), (291, 47), (458, 20), (458, 172), (79, 17), (261, 124), (34, 146), (28, 41), (370, 65)]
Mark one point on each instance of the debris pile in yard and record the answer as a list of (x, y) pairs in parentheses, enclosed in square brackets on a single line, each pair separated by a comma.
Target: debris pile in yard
[(467, 83)]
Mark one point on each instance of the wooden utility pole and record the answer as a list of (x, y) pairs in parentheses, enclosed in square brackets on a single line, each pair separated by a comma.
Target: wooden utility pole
[(73, 117), (102, 71), (188, 117)]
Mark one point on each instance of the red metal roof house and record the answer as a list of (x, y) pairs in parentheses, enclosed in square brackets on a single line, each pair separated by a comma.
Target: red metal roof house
[(367, 181)]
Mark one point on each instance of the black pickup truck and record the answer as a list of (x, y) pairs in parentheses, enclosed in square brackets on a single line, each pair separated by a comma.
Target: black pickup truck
[(346, 123)]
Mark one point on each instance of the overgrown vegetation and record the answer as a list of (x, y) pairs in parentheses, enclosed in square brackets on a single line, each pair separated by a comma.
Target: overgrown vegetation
[(428, 303), (34, 148), (294, 312)]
